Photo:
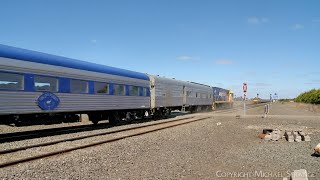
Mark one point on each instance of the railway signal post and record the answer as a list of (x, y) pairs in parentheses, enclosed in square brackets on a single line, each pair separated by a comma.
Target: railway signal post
[(266, 110), (244, 95)]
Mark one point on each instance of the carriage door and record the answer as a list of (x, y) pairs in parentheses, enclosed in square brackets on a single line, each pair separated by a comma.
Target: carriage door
[(184, 93)]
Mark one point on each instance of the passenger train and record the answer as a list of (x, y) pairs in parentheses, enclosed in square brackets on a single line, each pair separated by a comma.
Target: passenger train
[(34, 84)]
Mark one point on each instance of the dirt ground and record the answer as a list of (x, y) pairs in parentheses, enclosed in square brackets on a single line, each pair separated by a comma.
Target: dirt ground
[(222, 147), (309, 107)]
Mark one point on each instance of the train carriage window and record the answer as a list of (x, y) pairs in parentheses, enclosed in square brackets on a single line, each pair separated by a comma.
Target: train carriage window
[(204, 95), (197, 95), (45, 83), (144, 91), (11, 81), (78, 86), (119, 90), (101, 88), (133, 91)]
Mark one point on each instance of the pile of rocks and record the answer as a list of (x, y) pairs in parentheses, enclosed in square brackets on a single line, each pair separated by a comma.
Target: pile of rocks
[(296, 136), (290, 136)]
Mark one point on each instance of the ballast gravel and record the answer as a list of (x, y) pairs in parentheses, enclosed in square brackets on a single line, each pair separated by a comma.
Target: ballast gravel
[(219, 147)]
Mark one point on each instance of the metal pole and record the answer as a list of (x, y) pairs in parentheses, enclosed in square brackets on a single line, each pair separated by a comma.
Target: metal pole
[(266, 110), (244, 103), (244, 108)]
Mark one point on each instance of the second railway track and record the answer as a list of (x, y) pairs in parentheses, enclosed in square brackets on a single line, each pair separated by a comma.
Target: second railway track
[(5, 151), (127, 132)]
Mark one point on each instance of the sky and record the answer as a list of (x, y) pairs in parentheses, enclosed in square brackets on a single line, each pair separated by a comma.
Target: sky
[(272, 45)]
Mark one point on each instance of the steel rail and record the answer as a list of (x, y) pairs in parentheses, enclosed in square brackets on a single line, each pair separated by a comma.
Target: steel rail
[(27, 159), (6, 151)]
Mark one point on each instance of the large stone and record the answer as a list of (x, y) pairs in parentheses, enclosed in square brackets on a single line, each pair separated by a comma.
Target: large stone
[(317, 150), (265, 131), (289, 136), (276, 135), (304, 136), (268, 136), (296, 136), (262, 136)]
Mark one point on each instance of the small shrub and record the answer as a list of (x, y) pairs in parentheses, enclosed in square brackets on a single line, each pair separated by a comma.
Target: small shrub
[(312, 97)]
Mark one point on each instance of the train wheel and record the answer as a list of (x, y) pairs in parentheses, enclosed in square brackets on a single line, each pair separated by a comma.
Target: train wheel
[(157, 115), (114, 118), (129, 117), (167, 113), (191, 109), (95, 121), (145, 114), (94, 118)]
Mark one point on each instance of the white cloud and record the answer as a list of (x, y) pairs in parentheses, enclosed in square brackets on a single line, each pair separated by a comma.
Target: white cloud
[(253, 20), (298, 26), (261, 84), (224, 62), (250, 73), (311, 74), (264, 20), (316, 20), (185, 58), (275, 74), (313, 82), (257, 20)]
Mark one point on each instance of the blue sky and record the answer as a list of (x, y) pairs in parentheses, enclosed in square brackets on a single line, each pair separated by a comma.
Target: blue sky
[(272, 45)]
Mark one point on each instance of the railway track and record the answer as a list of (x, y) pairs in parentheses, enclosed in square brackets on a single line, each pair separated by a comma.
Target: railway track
[(79, 137), (248, 106), (33, 134), (18, 136), (129, 132)]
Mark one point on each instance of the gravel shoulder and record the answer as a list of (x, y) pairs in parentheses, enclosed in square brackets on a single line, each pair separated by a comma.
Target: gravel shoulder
[(199, 150)]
